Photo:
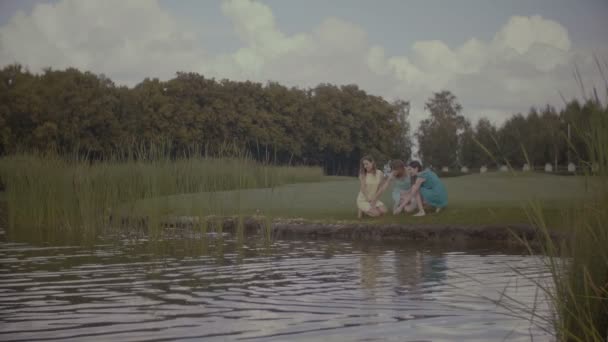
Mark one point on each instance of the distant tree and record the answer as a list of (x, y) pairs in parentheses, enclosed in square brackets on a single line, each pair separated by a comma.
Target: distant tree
[(554, 137), (403, 140), (438, 136), (333, 126), (511, 145), (469, 153), (535, 139), (486, 139)]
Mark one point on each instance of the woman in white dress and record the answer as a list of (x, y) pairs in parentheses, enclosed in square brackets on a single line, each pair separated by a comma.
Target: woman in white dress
[(370, 178)]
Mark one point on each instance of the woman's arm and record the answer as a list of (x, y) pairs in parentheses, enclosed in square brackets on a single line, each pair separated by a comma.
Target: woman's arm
[(362, 186), (383, 186), (417, 184)]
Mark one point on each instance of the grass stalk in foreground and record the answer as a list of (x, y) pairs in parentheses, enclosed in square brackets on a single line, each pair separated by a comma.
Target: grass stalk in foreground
[(578, 286)]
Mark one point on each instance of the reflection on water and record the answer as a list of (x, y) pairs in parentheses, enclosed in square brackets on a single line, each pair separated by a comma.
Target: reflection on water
[(284, 291)]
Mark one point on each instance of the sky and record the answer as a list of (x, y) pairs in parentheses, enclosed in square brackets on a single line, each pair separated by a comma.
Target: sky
[(498, 57)]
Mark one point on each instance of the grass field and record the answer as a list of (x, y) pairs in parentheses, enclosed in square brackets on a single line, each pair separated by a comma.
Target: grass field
[(493, 198)]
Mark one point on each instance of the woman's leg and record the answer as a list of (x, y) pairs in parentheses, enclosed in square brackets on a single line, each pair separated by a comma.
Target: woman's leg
[(411, 206), (420, 205), (379, 210), (382, 209), (406, 197), (408, 202), (374, 212)]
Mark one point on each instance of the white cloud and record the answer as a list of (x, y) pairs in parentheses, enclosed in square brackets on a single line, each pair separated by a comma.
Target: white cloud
[(522, 33), (124, 39), (527, 62), (255, 25)]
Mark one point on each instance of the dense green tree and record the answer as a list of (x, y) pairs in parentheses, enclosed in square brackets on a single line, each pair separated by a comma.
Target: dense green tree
[(511, 144), (486, 143), (469, 152), (403, 141), (78, 111), (333, 126), (438, 136)]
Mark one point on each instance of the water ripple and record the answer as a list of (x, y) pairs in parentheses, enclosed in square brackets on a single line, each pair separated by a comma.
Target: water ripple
[(184, 290)]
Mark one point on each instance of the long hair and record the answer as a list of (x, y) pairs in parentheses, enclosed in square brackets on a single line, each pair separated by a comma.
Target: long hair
[(414, 164), (362, 171), (398, 165)]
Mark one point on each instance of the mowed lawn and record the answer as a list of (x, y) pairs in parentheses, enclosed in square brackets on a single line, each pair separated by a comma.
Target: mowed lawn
[(473, 199)]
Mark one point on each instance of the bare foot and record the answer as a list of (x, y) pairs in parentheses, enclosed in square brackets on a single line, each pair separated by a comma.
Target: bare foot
[(420, 213), (410, 208)]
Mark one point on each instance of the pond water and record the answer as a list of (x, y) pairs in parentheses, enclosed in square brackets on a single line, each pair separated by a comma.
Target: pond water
[(261, 291)]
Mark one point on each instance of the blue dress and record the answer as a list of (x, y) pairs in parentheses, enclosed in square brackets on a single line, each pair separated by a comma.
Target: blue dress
[(403, 184), (432, 189)]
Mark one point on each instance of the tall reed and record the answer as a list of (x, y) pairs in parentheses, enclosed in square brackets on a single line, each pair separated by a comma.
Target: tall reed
[(577, 288), (51, 195), (579, 264)]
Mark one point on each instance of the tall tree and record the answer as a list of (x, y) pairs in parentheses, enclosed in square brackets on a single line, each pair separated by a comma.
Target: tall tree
[(554, 137), (486, 140), (438, 136), (403, 141), (469, 153), (511, 146)]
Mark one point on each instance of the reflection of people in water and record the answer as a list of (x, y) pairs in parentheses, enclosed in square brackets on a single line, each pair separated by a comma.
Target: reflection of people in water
[(370, 262), (415, 268), (435, 267), (408, 268)]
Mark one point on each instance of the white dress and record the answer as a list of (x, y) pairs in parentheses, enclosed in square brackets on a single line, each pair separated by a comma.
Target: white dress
[(371, 185)]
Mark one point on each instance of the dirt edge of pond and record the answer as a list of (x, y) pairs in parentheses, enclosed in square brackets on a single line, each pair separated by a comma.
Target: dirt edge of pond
[(283, 228)]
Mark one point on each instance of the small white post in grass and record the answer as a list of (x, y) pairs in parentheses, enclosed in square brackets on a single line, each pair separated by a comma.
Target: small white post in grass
[(464, 169), (526, 168), (571, 167), (483, 169), (445, 169), (548, 167), (504, 168)]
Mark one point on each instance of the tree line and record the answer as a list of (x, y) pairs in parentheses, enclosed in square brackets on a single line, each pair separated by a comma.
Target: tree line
[(541, 136), (328, 125)]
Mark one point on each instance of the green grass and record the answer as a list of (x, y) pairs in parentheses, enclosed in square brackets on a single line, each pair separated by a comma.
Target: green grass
[(578, 289), (491, 198), (51, 197)]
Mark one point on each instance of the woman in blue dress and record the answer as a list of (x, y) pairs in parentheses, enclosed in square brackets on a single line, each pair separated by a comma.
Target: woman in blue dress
[(400, 179), (427, 189)]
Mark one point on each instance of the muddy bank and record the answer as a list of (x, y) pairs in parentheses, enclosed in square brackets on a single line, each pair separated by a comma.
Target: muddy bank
[(189, 227), (412, 232)]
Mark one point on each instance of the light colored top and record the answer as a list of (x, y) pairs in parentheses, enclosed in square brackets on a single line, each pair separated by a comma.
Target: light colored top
[(372, 182), (400, 184)]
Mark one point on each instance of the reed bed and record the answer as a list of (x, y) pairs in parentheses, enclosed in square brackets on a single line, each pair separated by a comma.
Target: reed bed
[(577, 286), (50, 195)]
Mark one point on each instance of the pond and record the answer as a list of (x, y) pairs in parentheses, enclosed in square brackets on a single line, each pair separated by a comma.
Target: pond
[(222, 289)]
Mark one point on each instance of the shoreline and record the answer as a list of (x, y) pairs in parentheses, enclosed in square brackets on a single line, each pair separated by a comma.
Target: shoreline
[(285, 228)]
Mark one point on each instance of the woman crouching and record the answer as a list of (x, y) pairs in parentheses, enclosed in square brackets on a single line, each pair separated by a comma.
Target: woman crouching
[(427, 189), (401, 180), (370, 179)]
